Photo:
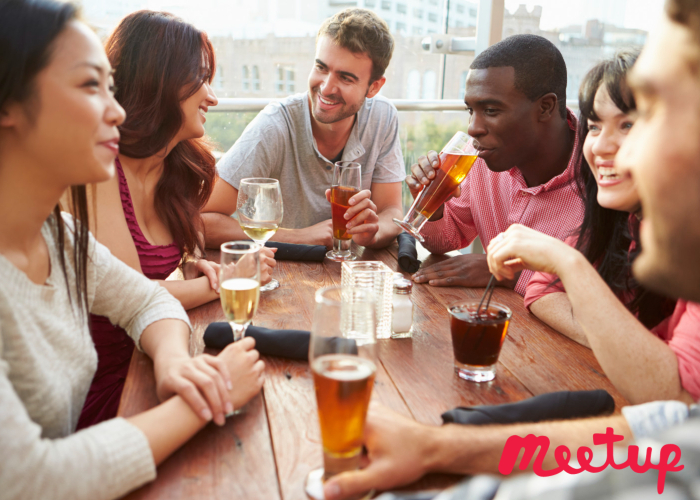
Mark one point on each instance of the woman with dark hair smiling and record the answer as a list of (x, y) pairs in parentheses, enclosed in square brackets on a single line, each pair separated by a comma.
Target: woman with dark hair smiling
[(59, 131), (595, 299), (148, 214)]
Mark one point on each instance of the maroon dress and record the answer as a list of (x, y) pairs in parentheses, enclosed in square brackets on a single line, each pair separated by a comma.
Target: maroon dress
[(113, 344)]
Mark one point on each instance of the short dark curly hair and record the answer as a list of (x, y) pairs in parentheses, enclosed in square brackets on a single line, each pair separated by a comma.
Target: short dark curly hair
[(362, 31), (538, 64)]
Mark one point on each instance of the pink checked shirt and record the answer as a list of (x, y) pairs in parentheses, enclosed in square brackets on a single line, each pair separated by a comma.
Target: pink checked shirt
[(491, 201)]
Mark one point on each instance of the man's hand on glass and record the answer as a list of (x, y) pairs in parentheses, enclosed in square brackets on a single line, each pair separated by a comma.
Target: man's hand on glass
[(422, 174)]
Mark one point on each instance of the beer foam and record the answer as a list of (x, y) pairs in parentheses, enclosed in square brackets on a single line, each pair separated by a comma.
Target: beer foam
[(239, 284), (343, 367)]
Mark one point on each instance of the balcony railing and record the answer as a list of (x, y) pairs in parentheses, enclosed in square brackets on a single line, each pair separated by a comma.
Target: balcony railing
[(227, 104), (241, 105)]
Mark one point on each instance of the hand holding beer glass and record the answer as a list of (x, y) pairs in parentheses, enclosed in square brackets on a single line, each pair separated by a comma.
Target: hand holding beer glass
[(260, 212), (347, 182), (343, 360), (455, 162)]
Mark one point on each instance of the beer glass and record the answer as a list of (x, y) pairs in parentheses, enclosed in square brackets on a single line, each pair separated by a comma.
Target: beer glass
[(343, 360), (260, 212), (347, 181), (239, 278), (456, 160), (477, 337)]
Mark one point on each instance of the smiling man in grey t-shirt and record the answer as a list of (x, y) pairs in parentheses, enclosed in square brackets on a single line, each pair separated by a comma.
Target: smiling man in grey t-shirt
[(298, 139)]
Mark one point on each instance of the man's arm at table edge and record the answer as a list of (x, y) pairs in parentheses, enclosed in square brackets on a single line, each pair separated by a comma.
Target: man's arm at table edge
[(470, 450), (387, 198), (449, 232), (401, 450), (220, 227)]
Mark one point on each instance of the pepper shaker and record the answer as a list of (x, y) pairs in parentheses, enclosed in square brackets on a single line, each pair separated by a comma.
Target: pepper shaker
[(402, 308)]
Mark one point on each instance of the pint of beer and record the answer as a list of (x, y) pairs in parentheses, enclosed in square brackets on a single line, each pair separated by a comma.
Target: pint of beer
[(456, 160), (342, 356), (347, 182)]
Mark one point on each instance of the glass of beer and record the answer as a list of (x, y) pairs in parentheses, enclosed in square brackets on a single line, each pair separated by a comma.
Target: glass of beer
[(343, 360), (260, 212), (456, 160), (477, 337), (347, 181), (239, 279)]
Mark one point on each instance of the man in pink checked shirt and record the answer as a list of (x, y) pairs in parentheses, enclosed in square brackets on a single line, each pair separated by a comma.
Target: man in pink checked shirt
[(526, 171)]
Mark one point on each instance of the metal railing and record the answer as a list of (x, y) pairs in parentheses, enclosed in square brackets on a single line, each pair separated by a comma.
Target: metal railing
[(227, 104), (240, 105)]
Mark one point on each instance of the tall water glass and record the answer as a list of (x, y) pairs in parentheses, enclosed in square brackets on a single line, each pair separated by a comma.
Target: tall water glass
[(239, 279), (260, 212), (378, 278), (347, 182), (343, 360), (456, 160)]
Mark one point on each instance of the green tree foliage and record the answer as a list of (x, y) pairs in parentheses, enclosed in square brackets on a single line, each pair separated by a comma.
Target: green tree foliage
[(224, 129)]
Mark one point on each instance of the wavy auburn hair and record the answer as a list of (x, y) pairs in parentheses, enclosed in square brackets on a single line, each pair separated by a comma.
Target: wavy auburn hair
[(159, 61)]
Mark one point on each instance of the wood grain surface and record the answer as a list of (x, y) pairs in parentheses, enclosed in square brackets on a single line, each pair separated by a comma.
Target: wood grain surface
[(266, 452)]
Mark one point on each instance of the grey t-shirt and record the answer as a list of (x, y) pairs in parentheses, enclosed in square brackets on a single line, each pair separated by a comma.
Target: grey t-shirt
[(279, 144)]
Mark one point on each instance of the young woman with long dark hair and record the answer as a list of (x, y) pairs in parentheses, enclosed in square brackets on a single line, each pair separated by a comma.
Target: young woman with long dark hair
[(59, 130), (597, 301), (148, 214)]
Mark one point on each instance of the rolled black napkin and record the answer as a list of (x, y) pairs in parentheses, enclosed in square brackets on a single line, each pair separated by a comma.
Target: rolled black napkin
[(552, 406), (408, 255), (292, 251), (292, 344)]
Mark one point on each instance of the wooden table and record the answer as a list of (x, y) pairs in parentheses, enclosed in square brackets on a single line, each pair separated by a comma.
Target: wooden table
[(266, 452)]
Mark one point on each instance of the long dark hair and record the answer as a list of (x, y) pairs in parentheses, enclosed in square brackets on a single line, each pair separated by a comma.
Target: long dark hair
[(605, 236), (158, 61), (28, 29)]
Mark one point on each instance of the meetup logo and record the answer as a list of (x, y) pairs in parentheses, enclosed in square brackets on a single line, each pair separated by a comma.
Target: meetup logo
[(562, 455)]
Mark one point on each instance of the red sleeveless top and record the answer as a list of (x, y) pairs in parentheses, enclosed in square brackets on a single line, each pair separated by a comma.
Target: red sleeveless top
[(114, 346)]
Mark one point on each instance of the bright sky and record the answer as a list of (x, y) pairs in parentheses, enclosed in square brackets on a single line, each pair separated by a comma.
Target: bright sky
[(640, 14)]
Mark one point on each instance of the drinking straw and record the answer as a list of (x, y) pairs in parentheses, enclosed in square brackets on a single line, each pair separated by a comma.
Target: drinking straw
[(489, 291)]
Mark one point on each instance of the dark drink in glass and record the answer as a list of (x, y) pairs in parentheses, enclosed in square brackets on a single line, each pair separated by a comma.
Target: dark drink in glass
[(340, 196), (477, 337)]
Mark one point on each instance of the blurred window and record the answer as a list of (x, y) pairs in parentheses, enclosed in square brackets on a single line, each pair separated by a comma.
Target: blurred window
[(256, 78), (429, 85), (245, 78)]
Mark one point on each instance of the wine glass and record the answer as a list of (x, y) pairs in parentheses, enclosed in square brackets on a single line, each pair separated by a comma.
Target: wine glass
[(260, 212), (343, 361), (347, 182), (239, 279)]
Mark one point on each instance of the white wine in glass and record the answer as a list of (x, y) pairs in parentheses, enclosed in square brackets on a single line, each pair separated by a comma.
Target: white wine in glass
[(260, 212), (240, 284)]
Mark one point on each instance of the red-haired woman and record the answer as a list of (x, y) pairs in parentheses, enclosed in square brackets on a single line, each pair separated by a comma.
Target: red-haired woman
[(148, 214)]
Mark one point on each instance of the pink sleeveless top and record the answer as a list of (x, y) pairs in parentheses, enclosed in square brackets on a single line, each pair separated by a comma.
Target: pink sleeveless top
[(114, 346)]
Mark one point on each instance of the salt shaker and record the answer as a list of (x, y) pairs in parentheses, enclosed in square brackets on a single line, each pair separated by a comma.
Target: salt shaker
[(402, 310)]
